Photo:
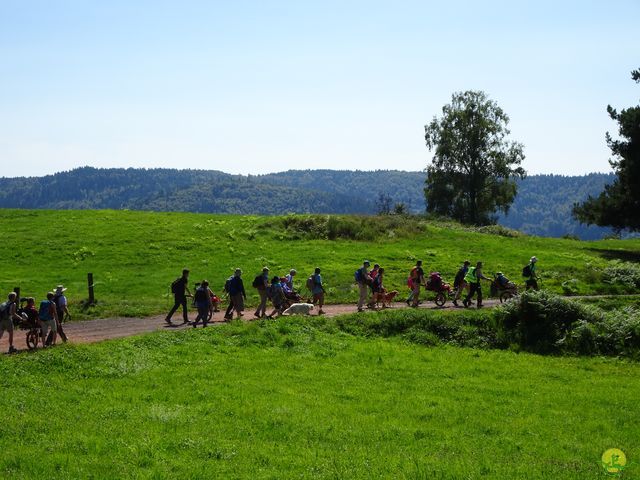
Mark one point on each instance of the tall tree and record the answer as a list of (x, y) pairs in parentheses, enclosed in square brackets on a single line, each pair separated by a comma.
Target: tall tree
[(618, 206), (474, 169)]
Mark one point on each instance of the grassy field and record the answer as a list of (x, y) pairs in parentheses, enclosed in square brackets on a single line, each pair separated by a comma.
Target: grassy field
[(134, 256), (289, 400)]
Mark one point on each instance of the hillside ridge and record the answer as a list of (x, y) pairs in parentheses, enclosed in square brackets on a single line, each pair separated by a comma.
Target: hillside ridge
[(542, 206)]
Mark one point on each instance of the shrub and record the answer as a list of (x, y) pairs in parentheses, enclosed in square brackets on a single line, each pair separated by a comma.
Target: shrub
[(619, 333), (351, 227), (625, 273), (570, 287), (540, 322), (499, 230)]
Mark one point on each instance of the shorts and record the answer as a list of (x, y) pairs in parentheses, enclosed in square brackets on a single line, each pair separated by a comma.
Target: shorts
[(48, 324), (6, 324)]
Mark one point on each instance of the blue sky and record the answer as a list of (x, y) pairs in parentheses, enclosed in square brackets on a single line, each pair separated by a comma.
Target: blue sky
[(256, 87)]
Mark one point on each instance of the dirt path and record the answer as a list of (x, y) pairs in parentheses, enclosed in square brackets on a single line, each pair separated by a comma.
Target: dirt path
[(90, 331)]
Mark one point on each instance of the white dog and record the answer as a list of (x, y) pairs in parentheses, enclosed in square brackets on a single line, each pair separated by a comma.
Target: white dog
[(299, 309)]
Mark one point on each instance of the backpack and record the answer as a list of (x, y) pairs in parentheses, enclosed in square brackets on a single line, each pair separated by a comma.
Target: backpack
[(258, 282), (358, 275), (174, 285), (310, 283), (227, 285), (4, 310), (56, 302), (414, 273), (45, 312), (201, 295), (526, 271)]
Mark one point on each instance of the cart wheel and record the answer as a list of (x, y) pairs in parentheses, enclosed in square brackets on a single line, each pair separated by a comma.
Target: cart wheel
[(504, 296), (440, 299), (32, 339)]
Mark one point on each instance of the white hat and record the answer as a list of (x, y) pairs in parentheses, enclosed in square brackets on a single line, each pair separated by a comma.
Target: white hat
[(534, 259), (60, 289)]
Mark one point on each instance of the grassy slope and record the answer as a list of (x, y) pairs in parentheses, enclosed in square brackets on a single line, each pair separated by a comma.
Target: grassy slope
[(284, 400), (135, 255)]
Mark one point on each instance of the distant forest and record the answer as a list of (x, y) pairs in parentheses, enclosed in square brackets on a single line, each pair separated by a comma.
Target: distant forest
[(542, 206)]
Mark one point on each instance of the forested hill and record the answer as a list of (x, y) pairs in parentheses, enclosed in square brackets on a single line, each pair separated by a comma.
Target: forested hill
[(542, 207)]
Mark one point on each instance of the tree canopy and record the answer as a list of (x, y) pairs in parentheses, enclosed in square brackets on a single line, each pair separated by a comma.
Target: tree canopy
[(474, 169), (618, 206)]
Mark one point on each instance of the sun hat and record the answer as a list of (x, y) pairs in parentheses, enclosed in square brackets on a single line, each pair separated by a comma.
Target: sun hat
[(534, 259), (60, 288)]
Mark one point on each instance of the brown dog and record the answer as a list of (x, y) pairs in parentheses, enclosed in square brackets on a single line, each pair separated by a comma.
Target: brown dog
[(386, 298)]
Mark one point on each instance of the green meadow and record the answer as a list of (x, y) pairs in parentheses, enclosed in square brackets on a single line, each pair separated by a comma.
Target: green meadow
[(134, 256), (409, 394), (302, 398)]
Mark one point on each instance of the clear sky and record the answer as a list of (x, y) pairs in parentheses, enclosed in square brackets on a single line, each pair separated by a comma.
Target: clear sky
[(264, 86)]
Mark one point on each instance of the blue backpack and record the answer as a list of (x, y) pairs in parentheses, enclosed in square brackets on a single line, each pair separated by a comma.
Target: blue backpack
[(358, 275), (45, 310)]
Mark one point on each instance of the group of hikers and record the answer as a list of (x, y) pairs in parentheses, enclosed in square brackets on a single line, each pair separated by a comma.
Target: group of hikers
[(46, 320), (279, 290), (372, 292)]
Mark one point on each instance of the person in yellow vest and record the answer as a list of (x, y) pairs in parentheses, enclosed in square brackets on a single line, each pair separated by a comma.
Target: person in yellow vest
[(472, 278)]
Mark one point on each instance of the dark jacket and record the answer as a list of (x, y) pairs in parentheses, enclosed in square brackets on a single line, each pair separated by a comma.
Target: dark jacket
[(236, 286)]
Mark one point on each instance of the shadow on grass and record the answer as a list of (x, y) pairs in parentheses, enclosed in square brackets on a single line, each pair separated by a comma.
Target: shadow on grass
[(624, 255)]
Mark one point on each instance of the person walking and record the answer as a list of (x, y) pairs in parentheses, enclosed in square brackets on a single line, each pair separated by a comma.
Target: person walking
[(473, 277), (202, 298), (261, 282), (237, 294), (228, 314), (458, 283), (377, 288), (289, 279), (277, 297), (7, 316), (62, 310), (529, 272), (317, 290), (180, 290), (363, 279), (416, 279), (48, 314)]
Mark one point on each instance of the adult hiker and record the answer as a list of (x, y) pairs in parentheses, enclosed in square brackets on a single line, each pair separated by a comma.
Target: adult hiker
[(48, 314), (377, 287), (473, 277), (289, 279), (276, 294), (261, 283), (180, 290), (458, 283), (416, 279), (363, 279), (314, 283), (62, 310), (529, 272), (202, 298), (237, 294), (7, 316)]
